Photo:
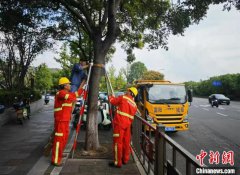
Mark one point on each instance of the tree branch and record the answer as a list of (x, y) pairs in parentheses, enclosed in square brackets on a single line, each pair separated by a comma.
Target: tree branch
[(103, 22), (80, 44), (86, 25), (112, 28), (79, 5)]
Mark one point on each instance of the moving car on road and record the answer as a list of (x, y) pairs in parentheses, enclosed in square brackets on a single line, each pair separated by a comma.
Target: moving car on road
[(220, 98)]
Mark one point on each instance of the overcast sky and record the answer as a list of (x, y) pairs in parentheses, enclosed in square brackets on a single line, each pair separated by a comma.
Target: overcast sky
[(208, 49)]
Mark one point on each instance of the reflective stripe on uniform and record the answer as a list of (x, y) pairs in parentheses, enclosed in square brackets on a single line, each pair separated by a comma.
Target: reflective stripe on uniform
[(130, 100), (66, 96), (125, 114), (56, 152), (58, 134), (64, 104), (57, 109), (116, 154), (116, 135), (67, 104)]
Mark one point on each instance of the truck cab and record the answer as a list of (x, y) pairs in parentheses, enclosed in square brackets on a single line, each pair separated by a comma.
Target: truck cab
[(163, 102)]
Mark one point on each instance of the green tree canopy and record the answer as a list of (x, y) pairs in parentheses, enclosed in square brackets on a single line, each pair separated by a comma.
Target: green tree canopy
[(121, 81), (66, 59), (43, 78), (23, 36), (137, 70), (118, 81), (230, 86), (152, 75)]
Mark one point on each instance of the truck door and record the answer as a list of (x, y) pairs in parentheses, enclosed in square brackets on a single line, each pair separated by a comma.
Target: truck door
[(140, 100)]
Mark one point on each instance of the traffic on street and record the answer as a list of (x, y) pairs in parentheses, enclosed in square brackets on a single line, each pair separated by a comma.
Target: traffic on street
[(212, 129)]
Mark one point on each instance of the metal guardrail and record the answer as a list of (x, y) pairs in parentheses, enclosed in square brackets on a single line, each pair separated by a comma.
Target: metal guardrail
[(158, 153)]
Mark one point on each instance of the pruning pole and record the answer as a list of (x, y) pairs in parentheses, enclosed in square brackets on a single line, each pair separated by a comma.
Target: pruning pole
[(109, 82), (109, 104)]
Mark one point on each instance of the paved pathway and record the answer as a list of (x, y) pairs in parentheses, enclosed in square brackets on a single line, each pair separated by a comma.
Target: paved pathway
[(21, 150), (22, 145)]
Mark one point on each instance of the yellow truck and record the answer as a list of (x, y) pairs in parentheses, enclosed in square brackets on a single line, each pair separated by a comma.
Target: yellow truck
[(164, 102)]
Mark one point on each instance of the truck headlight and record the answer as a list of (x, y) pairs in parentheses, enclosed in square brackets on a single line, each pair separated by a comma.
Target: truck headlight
[(186, 118)]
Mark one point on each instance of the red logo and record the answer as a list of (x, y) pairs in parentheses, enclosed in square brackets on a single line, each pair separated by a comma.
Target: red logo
[(228, 157), (201, 156), (214, 157)]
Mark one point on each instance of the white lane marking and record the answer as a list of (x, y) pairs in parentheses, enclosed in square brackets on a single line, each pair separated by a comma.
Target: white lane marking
[(222, 114), (205, 109), (221, 108), (196, 106), (204, 105)]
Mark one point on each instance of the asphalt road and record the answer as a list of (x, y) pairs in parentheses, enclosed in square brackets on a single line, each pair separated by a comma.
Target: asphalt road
[(212, 129), (21, 146)]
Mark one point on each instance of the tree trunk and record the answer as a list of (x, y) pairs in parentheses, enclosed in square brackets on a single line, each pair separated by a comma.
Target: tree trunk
[(21, 83), (101, 47), (91, 138)]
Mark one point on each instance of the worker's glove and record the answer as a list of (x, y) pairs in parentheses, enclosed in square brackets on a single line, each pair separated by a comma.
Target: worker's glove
[(84, 86), (111, 95), (85, 66)]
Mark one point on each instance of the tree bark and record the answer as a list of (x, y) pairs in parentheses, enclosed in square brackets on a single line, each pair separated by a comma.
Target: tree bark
[(91, 138)]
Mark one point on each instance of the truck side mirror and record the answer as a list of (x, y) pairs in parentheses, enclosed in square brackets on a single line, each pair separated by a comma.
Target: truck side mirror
[(189, 93)]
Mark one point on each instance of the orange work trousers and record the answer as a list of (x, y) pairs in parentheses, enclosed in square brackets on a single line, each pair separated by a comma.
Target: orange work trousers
[(121, 144), (61, 129)]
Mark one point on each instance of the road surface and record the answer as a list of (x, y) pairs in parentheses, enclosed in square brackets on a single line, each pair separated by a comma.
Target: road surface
[(212, 129)]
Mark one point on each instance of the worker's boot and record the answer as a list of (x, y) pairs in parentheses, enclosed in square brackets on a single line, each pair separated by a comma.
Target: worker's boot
[(111, 164)]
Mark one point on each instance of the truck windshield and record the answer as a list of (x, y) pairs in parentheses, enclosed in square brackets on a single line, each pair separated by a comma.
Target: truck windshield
[(167, 94)]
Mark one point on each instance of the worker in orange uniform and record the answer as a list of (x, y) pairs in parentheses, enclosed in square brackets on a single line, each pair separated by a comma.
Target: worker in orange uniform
[(62, 116), (123, 118)]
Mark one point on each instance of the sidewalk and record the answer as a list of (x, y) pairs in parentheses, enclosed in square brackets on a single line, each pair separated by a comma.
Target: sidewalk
[(21, 150), (97, 167), (97, 164)]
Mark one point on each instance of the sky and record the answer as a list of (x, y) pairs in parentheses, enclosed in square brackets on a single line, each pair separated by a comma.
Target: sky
[(208, 49)]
